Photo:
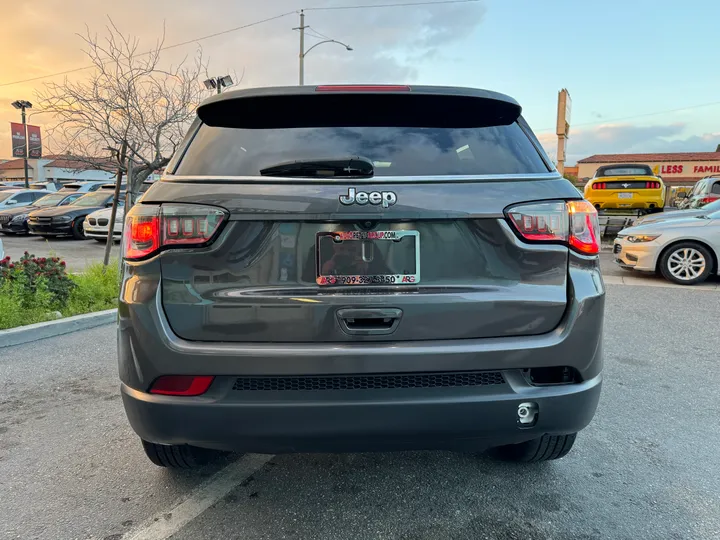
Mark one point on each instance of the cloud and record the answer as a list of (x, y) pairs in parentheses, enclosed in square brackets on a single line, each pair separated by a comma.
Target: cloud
[(390, 44), (628, 138)]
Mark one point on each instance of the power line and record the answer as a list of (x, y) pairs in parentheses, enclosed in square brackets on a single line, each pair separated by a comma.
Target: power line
[(403, 4), (230, 30), (173, 46), (639, 116)]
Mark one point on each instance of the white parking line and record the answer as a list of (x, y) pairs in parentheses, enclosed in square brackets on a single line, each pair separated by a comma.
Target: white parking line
[(166, 523)]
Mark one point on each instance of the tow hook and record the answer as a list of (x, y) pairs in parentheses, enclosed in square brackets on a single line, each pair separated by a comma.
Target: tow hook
[(527, 413)]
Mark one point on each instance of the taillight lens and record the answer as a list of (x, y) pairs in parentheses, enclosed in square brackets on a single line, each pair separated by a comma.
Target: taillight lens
[(708, 200), (181, 385), (573, 223), (652, 185), (599, 185), (149, 228)]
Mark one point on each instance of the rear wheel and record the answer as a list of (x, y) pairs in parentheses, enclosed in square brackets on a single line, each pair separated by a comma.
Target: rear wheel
[(78, 232), (686, 263), (543, 448), (101, 240), (177, 456)]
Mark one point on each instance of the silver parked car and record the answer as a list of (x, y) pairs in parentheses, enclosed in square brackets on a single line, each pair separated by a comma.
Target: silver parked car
[(684, 250), (679, 214)]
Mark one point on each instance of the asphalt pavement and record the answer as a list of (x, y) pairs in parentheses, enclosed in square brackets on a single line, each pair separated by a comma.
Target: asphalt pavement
[(76, 253), (646, 468)]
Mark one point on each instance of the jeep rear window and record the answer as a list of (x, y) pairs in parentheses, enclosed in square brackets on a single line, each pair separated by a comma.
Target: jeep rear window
[(394, 151)]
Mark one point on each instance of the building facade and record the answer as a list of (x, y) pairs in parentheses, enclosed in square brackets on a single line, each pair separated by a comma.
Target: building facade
[(678, 169), (53, 169)]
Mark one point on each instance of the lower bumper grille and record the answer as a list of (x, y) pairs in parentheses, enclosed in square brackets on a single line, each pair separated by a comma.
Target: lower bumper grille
[(369, 382)]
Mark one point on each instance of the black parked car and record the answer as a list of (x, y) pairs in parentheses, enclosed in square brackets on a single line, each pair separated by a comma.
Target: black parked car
[(68, 220), (14, 220)]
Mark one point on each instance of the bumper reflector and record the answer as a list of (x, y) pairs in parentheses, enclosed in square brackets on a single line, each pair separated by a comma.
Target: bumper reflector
[(181, 385)]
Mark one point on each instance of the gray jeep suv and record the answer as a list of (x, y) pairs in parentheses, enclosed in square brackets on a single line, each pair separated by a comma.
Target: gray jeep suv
[(360, 268)]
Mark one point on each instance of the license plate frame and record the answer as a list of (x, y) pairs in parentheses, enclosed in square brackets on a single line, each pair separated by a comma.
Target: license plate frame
[(362, 279), (625, 195)]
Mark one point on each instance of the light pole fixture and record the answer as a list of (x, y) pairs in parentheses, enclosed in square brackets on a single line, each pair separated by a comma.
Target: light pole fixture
[(303, 52), (218, 83), (22, 104)]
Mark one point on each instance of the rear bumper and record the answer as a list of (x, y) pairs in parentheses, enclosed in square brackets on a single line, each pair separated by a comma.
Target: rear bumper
[(361, 420)]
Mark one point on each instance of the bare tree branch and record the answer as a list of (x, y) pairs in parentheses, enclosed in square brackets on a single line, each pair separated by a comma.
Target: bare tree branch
[(129, 99)]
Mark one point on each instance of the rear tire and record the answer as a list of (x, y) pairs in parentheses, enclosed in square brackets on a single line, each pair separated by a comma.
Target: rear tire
[(178, 456), (544, 448), (697, 256), (77, 231), (101, 240)]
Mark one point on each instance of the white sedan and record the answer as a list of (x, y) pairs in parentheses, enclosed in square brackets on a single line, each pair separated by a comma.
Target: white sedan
[(684, 250), (2, 250), (96, 224)]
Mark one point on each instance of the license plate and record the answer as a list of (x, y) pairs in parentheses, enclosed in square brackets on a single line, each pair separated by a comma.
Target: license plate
[(625, 195), (368, 258)]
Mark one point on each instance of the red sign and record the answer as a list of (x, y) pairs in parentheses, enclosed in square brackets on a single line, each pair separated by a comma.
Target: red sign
[(34, 142), (706, 169), (671, 169), (18, 139)]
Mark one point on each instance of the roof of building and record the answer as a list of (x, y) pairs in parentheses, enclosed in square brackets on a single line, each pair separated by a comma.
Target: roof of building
[(69, 162), (13, 164), (634, 158)]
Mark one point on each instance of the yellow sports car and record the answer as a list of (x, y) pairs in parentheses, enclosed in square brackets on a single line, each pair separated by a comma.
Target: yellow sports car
[(628, 186)]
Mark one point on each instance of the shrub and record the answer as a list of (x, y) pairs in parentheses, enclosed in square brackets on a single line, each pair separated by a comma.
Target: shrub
[(33, 289), (39, 275)]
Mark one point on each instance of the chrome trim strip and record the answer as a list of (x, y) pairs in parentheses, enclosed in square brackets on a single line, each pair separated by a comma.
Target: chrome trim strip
[(374, 180)]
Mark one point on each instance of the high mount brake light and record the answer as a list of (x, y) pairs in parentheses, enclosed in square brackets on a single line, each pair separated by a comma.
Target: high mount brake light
[(362, 88), (573, 223), (149, 228)]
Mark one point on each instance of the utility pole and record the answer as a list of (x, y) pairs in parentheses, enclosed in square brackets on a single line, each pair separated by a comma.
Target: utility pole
[(302, 46), (22, 105), (116, 198), (303, 52), (563, 127)]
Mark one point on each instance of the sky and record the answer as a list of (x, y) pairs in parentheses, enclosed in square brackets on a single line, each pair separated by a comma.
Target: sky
[(643, 75)]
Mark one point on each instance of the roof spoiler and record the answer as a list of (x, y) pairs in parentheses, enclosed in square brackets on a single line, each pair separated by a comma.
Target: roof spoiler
[(359, 106)]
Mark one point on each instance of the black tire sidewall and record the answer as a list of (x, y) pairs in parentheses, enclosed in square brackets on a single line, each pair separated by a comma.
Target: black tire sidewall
[(684, 245), (77, 230)]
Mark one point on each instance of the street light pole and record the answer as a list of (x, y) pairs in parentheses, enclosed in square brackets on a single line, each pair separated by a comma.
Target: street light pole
[(303, 52), (22, 105), (218, 83), (302, 47), (25, 163)]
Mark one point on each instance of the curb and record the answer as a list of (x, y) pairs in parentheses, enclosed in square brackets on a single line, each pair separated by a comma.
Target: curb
[(34, 332)]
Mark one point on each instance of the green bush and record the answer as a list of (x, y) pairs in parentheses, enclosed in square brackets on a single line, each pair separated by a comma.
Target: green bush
[(37, 289)]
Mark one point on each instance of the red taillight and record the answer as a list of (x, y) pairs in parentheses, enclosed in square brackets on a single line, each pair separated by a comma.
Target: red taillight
[(708, 200), (652, 185), (574, 223), (362, 88), (599, 185), (149, 228), (181, 385)]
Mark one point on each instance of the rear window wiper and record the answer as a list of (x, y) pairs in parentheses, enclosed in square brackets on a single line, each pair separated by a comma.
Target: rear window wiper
[(345, 167)]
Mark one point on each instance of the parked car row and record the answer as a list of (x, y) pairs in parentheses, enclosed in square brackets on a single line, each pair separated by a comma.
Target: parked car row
[(62, 213)]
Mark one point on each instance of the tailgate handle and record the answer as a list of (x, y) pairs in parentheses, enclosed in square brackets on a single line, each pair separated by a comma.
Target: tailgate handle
[(369, 321)]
